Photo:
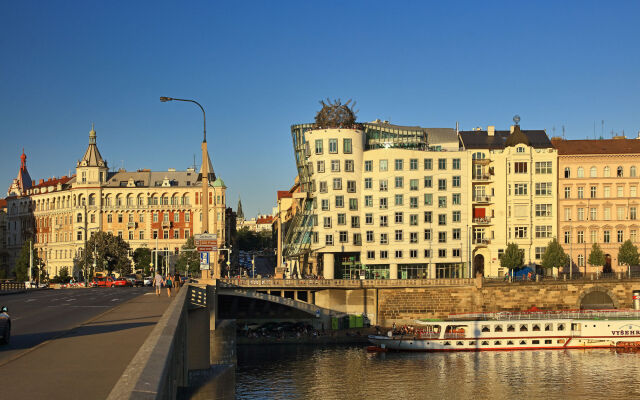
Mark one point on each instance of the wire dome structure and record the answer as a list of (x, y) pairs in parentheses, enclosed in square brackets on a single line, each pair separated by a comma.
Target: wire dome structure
[(336, 115)]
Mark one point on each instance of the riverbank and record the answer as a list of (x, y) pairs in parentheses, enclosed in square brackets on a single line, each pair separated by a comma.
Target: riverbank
[(344, 336)]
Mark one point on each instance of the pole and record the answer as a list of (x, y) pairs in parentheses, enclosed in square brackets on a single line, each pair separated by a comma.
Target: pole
[(570, 250), (156, 263), (30, 261), (253, 266)]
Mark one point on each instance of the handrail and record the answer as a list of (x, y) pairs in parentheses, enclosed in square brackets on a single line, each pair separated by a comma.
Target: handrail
[(341, 283), (160, 366)]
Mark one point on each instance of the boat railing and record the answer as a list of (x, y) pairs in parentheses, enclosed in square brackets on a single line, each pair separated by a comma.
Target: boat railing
[(537, 315), (454, 336)]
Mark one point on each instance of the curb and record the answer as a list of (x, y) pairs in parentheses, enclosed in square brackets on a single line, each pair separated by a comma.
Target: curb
[(64, 333)]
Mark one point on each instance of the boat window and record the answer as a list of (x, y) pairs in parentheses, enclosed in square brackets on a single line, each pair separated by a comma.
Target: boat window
[(497, 328), (523, 342), (510, 343), (575, 327), (447, 344), (472, 343), (560, 327), (535, 342), (459, 344), (485, 328), (523, 328), (548, 327), (536, 327), (497, 343), (511, 328), (548, 341), (560, 341), (485, 343)]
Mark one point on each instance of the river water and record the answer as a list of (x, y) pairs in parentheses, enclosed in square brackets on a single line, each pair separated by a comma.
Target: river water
[(339, 372)]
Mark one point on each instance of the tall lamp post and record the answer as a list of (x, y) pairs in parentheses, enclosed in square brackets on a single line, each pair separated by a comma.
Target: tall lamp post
[(205, 179)]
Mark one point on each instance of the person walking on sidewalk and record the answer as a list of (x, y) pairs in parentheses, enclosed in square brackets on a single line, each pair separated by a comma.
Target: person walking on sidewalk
[(168, 283), (157, 282)]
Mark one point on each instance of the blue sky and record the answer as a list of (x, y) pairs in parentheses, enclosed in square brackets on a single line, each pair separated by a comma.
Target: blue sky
[(259, 67)]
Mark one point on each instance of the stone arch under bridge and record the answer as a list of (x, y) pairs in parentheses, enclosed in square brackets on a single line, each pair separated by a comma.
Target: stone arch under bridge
[(598, 297)]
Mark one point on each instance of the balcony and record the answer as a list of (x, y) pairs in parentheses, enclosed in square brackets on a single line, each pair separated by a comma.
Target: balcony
[(131, 225), (166, 224), (481, 177), (481, 241), (482, 199), (482, 220)]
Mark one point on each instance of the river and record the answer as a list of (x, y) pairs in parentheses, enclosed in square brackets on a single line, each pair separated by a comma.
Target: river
[(339, 372)]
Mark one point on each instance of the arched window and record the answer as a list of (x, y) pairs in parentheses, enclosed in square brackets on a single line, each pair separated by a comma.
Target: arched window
[(567, 172), (632, 172), (594, 172), (580, 172), (607, 172), (620, 172), (79, 217)]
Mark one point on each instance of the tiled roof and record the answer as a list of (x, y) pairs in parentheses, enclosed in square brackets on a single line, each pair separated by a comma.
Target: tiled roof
[(146, 178), (52, 182), (264, 220), (284, 194), (481, 139), (601, 146), (3, 203)]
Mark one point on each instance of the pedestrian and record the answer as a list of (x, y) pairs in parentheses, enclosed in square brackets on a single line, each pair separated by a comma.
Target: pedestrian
[(168, 284), (176, 280), (157, 282)]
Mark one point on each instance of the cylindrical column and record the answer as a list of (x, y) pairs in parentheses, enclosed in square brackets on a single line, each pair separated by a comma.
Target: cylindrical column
[(393, 271), (636, 299), (328, 266)]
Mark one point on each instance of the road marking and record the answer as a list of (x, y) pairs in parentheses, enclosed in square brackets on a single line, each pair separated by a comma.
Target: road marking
[(28, 300), (71, 299), (115, 299), (90, 306)]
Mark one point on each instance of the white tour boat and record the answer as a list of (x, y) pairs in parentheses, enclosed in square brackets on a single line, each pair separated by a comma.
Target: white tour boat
[(577, 329)]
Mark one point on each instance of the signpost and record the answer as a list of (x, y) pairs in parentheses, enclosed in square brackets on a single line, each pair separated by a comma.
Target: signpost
[(204, 261), (205, 243)]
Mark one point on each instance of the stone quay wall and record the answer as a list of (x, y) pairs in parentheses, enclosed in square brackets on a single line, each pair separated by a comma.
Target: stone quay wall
[(405, 305)]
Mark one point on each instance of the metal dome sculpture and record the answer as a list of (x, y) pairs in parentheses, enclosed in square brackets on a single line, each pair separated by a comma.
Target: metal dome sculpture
[(336, 115)]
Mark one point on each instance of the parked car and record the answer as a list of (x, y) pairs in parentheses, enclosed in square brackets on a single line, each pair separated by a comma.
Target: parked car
[(135, 280), (119, 282), (148, 280), (99, 282), (5, 325)]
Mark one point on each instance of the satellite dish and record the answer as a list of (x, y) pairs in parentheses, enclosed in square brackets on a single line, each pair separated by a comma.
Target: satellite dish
[(516, 119)]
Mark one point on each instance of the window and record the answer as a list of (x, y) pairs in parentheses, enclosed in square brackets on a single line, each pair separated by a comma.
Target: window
[(593, 214), (398, 253), (428, 164), (328, 240), (620, 236), (110, 218), (398, 235), (442, 237), (176, 217), (155, 234), (633, 213), (346, 146), (383, 185), (620, 214), (399, 182), (633, 191), (428, 182), (413, 237), (413, 202), (398, 217), (455, 163), (607, 172), (413, 164), (413, 184), (369, 236), (371, 254), (620, 191), (384, 165), (633, 235), (323, 186), (543, 231), (344, 237), (351, 186), (580, 214), (348, 165), (384, 254), (342, 219), (520, 189), (607, 213), (580, 260), (543, 167), (593, 172), (607, 191), (455, 182), (368, 183), (141, 235), (335, 165), (567, 172), (399, 164), (442, 163), (442, 202), (567, 237), (333, 146), (383, 221), (320, 166), (581, 192), (456, 199), (455, 234), (353, 204), (427, 234), (456, 216), (383, 203), (607, 236), (413, 219), (337, 183), (520, 167), (442, 219), (384, 239), (318, 146), (398, 200), (442, 253), (539, 251), (594, 192), (580, 237), (368, 201), (324, 204), (632, 172), (567, 192), (339, 201), (165, 234), (368, 219), (520, 232), (442, 184), (580, 172), (543, 188), (327, 222), (620, 172), (427, 216)]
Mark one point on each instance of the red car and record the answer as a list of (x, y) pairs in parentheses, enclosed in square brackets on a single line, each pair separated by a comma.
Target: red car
[(99, 282), (120, 282)]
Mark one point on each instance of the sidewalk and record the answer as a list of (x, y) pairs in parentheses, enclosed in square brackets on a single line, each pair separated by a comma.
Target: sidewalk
[(86, 362)]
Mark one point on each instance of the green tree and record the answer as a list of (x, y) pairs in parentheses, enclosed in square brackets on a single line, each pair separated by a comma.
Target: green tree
[(22, 263), (142, 260), (596, 257), (512, 258), (188, 260), (628, 255), (554, 256), (111, 253)]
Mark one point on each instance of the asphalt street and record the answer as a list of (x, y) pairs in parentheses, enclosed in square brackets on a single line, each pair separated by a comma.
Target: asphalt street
[(41, 315)]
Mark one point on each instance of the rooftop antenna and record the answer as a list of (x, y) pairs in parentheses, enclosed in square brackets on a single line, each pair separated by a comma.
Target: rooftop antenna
[(602, 131), (553, 130), (594, 129), (563, 138)]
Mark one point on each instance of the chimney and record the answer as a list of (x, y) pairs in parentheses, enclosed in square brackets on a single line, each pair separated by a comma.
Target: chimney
[(491, 130), (41, 182)]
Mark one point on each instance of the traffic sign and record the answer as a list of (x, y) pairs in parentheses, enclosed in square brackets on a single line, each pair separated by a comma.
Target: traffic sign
[(207, 248), (206, 242), (205, 239), (204, 260)]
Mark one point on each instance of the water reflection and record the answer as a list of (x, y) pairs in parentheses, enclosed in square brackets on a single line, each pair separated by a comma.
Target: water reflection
[(305, 372)]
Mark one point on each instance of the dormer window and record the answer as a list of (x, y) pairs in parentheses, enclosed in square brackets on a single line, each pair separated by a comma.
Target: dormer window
[(84, 177), (520, 149)]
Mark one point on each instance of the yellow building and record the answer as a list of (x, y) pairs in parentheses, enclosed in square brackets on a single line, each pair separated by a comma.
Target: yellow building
[(153, 209), (597, 198)]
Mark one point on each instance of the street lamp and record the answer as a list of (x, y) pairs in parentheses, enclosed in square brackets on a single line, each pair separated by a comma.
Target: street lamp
[(205, 177)]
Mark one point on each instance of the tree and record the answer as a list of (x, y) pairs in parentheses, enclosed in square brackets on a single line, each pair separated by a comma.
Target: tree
[(512, 258), (111, 253), (22, 263), (142, 260), (250, 240), (628, 255), (554, 256), (596, 257), (189, 260)]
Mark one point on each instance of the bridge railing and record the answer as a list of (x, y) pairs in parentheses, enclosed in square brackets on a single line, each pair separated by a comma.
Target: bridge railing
[(160, 367), (11, 286), (342, 283)]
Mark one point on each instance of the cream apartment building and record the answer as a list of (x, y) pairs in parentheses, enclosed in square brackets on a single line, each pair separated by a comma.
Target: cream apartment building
[(514, 194), (597, 198), (382, 201)]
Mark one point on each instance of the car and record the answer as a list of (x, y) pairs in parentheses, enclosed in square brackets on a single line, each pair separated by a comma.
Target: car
[(119, 282), (5, 325), (99, 282), (135, 280), (148, 280)]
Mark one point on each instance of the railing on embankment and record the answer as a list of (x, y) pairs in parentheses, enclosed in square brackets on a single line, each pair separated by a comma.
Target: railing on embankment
[(11, 286), (342, 283), (160, 367)]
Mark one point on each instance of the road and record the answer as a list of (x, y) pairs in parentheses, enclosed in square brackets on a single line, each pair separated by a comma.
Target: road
[(42, 315)]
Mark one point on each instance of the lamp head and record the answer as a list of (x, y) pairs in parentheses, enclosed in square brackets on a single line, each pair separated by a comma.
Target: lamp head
[(165, 99)]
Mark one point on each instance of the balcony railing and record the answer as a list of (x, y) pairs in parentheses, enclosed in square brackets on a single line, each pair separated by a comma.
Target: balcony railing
[(481, 177), (482, 199), (482, 220), (481, 241)]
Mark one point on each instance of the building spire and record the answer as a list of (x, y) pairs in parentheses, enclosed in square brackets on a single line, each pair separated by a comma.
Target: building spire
[(239, 212), (92, 157)]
